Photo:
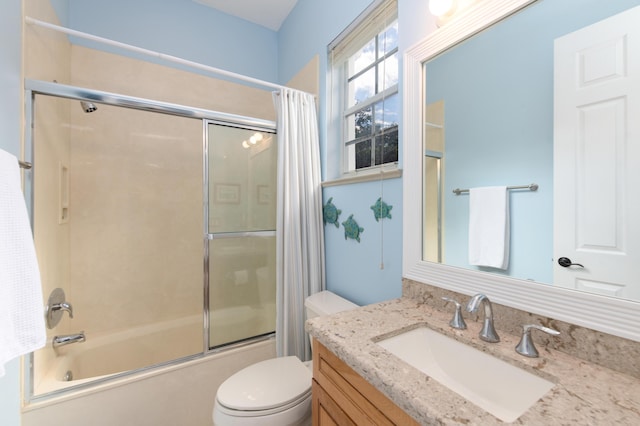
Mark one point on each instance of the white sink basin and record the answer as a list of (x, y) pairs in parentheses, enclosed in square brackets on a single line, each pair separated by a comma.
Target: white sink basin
[(496, 386)]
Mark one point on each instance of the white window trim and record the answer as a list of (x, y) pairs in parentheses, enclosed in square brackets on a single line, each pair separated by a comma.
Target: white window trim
[(370, 22), (384, 172)]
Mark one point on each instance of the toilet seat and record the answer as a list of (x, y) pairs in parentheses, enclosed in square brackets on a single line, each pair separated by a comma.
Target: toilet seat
[(266, 387), (302, 401)]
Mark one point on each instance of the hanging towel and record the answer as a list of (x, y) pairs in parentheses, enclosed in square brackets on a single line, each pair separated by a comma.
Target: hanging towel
[(489, 227), (22, 328)]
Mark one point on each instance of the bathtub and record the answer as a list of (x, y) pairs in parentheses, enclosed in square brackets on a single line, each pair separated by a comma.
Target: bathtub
[(107, 390), (104, 355), (180, 393)]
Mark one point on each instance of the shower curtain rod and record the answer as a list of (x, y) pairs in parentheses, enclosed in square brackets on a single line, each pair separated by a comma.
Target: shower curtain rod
[(170, 58)]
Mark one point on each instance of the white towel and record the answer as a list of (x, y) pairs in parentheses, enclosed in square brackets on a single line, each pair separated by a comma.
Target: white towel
[(22, 328), (489, 227)]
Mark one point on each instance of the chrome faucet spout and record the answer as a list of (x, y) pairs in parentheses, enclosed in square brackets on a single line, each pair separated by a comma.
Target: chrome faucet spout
[(67, 339), (488, 332)]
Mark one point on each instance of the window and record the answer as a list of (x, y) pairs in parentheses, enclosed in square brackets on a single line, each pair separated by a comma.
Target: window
[(364, 83)]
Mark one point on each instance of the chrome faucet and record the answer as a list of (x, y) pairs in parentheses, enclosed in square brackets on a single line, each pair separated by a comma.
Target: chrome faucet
[(488, 332), (67, 339)]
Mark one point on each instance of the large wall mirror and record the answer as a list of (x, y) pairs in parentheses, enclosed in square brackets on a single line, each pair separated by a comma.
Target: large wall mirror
[(479, 111)]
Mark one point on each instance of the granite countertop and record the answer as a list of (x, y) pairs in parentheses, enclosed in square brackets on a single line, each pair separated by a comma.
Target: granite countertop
[(584, 393)]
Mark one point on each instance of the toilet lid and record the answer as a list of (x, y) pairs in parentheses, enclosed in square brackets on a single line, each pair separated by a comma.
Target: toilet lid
[(265, 385)]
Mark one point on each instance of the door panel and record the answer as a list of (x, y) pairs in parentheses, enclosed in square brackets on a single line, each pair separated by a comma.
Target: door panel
[(596, 156), (241, 233)]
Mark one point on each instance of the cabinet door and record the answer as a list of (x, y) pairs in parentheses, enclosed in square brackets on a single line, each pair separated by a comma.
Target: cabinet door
[(326, 412), (341, 396)]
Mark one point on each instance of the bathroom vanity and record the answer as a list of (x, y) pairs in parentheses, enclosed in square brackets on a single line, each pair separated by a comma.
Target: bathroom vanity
[(357, 381), (343, 397)]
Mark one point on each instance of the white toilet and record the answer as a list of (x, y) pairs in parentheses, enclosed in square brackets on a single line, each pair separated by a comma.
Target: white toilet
[(275, 392)]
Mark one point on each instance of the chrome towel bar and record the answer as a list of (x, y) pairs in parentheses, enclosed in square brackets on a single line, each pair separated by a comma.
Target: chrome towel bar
[(530, 187)]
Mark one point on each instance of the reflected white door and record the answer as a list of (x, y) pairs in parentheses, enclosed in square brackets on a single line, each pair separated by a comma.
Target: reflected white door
[(597, 157)]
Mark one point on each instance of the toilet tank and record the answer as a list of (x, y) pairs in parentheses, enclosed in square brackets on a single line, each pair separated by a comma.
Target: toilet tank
[(326, 303)]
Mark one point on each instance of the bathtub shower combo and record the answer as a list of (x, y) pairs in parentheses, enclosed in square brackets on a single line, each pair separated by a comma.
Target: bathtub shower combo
[(154, 226)]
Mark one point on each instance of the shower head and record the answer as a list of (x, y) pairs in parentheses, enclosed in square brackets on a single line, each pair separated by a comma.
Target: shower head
[(88, 106)]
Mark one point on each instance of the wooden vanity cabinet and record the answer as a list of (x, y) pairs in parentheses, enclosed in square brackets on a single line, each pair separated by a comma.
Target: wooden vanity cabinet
[(342, 397)]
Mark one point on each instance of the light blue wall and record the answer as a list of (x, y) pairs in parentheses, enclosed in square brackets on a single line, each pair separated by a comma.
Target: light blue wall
[(307, 32), (10, 132), (61, 7), (309, 29), (353, 269), (185, 29), (505, 137)]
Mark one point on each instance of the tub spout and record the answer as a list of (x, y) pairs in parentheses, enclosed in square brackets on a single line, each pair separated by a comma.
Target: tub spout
[(67, 339)]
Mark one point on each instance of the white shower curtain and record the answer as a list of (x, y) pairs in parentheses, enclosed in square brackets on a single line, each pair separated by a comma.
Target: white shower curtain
[(299, 229)]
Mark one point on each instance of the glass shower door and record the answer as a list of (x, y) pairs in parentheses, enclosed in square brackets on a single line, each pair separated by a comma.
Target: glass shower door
[(117, 224), (241, 232)]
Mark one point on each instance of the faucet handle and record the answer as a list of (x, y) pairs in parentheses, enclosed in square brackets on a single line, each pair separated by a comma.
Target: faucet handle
[(64, 307), (457, 321), (525, 346), (56, 306)]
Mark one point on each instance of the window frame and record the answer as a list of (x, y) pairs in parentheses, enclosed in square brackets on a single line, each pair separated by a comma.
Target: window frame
[(353, 39)]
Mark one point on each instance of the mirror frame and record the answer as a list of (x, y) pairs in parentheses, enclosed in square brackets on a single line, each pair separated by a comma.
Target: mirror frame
[(618, 317)]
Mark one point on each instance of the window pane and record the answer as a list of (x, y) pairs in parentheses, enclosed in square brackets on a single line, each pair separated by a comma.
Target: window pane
[(387, 113), (358, 155), (362, 58), (388, 39), (359, 124), (388, 72), (387, 147), (362, 123), (362, 88), (363, 154)]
